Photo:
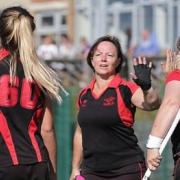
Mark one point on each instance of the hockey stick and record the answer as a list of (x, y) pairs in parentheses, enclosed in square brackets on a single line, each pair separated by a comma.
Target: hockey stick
[(164, 143)]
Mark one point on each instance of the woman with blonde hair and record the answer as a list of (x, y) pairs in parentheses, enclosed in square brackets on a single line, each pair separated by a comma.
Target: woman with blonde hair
[(28, 146), (165, 116)]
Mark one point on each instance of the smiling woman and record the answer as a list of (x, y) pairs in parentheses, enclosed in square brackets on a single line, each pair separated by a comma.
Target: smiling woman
[(105, 146)]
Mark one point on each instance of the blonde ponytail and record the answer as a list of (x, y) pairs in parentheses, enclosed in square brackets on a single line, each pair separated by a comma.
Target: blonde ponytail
[(21, 36)]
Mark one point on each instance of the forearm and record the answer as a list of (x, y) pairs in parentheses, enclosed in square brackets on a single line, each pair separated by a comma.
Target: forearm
[(77, 152), (50, 143), (152, 100), (164, 119)]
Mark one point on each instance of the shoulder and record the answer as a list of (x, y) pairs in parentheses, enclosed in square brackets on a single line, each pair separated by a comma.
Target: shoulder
[(130, 85), (81, 94)]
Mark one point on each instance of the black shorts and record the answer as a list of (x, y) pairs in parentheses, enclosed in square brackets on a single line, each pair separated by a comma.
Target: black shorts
[(133, 171), (177, 169), (37, 171)]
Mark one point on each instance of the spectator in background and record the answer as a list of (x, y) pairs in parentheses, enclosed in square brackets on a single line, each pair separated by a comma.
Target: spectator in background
[(47, 50), (66, 48), (84, 48), (128, 33), (148, 46)]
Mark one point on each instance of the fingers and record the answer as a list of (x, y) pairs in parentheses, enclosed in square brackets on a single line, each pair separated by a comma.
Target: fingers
[(133, 76), (154, 164), (168, 65), (153, 159), (141, 60), (150, 64)]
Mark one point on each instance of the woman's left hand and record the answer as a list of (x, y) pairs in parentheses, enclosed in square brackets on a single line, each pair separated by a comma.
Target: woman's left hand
[(142, 75)]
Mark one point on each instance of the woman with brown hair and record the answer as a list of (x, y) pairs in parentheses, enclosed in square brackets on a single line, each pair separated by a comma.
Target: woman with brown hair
[(105, 146)]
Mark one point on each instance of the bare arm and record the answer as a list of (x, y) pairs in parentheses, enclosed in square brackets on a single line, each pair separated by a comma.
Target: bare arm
[(77, 153), (146, 100), (163, 121), (168, 109), (145, 97), (48, 135)]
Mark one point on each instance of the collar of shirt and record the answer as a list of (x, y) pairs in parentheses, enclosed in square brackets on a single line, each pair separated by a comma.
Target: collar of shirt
[(116, 81)]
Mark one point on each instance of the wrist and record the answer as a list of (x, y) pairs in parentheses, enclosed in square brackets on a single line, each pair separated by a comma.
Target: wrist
[(148, 90), (75, 168), (146, 87), (154, 142)]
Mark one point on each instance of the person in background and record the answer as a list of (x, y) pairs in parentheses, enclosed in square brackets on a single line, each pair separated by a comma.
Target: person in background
[(148, 47), (84, 47), (105, 146), (28, 86), (66, 48), (47, 50), (165, 116), (82, 55)]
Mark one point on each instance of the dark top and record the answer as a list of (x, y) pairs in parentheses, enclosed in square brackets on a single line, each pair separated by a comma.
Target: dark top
[(175, 75), (21, 111), (106, 122)]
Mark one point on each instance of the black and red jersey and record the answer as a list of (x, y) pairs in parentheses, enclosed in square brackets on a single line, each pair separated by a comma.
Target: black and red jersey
[(106, 122), (175, 76), (21, 111)]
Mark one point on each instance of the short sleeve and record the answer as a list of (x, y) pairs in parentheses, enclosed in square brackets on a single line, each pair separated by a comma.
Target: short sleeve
[(78, 100), (132, 86), (174, 75)]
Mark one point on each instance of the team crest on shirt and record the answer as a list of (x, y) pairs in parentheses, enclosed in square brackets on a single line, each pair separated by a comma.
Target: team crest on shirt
[(84, 103), (109, 101)]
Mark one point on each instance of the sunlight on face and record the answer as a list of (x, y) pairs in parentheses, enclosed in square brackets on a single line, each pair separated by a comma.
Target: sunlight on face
[(105, 58)]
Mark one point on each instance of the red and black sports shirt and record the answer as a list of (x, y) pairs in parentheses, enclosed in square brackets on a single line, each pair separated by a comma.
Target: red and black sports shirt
[(106, 122), (21, 111)]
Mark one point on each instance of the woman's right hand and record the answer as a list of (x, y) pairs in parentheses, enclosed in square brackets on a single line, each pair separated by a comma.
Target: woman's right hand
[(75, 172), (153, 159)]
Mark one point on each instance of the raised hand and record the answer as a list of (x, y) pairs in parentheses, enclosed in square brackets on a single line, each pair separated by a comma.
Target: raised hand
[(142, 75), (169, 64)]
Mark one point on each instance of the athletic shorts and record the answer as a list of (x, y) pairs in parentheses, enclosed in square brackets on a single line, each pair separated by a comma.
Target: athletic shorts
[(176, 173), (37, 171), (133, 171)]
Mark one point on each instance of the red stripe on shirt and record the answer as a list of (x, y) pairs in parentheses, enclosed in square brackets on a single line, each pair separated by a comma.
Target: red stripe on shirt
[(32, 129), (3, 53), (124, 113), (4, 130)]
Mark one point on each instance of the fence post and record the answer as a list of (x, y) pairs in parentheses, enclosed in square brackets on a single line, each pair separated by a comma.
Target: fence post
[(64, 126)]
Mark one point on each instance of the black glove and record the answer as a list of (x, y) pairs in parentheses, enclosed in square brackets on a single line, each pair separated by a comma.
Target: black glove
[(143, 74)]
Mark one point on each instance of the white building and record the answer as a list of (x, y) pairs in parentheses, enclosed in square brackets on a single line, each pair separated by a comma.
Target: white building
[(95, 18)]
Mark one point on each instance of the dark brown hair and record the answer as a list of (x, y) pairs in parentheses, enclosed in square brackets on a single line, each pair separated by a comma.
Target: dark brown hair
[(114, 41)]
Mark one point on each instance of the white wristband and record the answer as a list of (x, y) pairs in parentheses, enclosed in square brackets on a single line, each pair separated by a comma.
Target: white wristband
[(153, 142)]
